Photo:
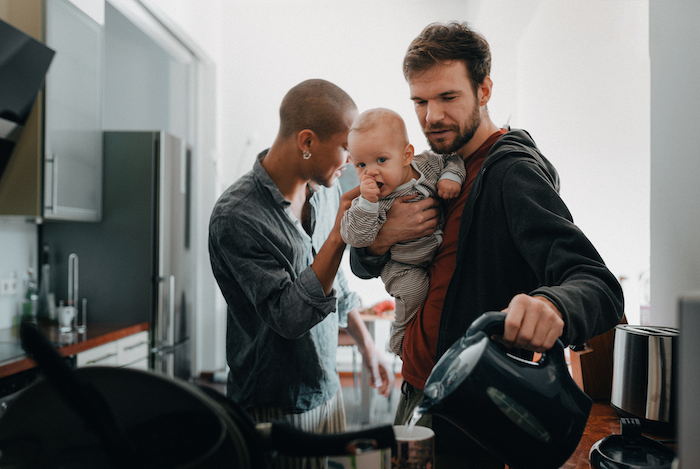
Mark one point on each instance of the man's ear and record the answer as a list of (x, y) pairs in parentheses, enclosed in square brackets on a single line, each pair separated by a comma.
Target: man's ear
[(408, 154), (484, 91), (304, 139)]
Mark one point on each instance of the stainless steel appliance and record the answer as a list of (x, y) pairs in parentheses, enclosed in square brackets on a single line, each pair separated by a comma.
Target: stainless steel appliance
[(136, 264), (644, 375)]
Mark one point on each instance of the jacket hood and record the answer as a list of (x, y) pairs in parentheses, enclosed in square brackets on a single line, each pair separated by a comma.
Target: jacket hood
[(519, 143)]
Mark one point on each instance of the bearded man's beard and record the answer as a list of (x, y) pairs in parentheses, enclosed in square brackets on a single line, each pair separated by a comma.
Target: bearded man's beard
[(462, 138)]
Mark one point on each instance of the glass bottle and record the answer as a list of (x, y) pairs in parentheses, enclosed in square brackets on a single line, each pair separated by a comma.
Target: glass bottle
[(47, 300), (31, 299)]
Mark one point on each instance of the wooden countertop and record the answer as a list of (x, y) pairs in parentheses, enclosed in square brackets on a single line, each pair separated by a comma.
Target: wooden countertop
[(69, 343), (603, 421)]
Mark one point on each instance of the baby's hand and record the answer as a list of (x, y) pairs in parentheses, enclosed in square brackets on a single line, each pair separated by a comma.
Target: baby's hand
[(448, 189), (369, 188)]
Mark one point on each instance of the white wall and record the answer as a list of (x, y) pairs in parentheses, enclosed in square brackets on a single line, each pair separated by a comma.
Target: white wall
[(583, 93), (18, 252), (273, 45), (675, 155), (575, 73), (675, 191)]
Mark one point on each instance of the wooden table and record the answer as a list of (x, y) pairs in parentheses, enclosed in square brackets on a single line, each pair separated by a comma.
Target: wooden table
[(603, 421)]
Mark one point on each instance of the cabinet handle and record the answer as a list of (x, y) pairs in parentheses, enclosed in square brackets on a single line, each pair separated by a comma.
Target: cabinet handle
[(104, 357), (130, 347), (54, 184), (53, 161)]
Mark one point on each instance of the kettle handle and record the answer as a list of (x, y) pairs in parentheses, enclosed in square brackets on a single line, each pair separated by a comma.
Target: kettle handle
[(493, 322), (489, 323)]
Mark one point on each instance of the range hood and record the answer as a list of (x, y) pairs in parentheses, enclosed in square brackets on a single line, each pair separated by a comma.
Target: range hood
[(24, 62)]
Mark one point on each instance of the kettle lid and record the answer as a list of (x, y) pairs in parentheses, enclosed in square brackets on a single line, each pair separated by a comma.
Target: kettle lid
[(631, 450)]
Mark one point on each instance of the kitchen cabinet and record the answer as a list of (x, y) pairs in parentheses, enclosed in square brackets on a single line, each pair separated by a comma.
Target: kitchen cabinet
[(130, 351), (20, 184), (102, 355), (73, 114), (55, 171), (13, 359)]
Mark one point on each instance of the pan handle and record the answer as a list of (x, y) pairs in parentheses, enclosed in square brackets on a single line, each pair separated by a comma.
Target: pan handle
[(288, 440), (284, 438), (80, 396)]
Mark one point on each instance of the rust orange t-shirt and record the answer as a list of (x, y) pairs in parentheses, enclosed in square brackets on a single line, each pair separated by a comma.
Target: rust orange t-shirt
[(421, 336)]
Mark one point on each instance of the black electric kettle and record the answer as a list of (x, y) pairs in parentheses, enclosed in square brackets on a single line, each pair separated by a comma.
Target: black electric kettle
[(528, 414), (110, 418)]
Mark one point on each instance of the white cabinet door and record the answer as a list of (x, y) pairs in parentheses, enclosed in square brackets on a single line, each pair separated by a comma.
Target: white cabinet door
[(73, 114), (102, 355), (130, 351)]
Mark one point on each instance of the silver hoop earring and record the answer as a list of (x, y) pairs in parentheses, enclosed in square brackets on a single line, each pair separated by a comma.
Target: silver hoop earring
[(306, 154)]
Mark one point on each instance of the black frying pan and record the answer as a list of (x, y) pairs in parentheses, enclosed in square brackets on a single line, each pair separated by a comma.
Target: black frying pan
[(118, 417)]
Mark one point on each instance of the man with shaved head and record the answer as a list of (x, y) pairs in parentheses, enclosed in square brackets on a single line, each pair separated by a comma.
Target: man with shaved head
[(275, 248)]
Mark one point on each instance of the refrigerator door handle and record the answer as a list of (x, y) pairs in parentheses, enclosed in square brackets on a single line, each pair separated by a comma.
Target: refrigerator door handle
[(171, 310), (165, 321), (161, 323)]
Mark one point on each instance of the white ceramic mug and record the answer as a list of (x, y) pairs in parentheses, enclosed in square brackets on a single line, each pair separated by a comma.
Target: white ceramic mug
[(414, 449), (65, 318)]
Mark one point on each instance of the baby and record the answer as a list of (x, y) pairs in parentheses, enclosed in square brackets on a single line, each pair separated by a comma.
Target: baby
[(387, 169)]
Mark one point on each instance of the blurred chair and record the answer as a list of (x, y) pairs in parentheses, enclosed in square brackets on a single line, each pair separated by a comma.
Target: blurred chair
[(346, 340), (395, 359)]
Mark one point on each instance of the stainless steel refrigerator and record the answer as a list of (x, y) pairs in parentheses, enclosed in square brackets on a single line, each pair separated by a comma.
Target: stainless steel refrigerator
[(136, 263)]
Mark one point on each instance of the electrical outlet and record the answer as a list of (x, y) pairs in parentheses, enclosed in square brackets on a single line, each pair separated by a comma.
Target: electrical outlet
[(8, 286)]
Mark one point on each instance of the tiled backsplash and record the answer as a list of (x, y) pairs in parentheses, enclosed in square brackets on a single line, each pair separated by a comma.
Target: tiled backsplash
[(18, 252)]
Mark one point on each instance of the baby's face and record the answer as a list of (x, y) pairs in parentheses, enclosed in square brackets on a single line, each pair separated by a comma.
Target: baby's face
[(377, 153)]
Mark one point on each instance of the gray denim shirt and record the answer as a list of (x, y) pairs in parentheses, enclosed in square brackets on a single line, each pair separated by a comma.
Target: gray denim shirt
[(282, 330)]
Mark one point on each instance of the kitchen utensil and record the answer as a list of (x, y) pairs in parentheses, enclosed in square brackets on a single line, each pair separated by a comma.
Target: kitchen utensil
[(415, 448), (528, 414), (81, 324), (105, 417), (631, 450), (66, 315), (644, 383)]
